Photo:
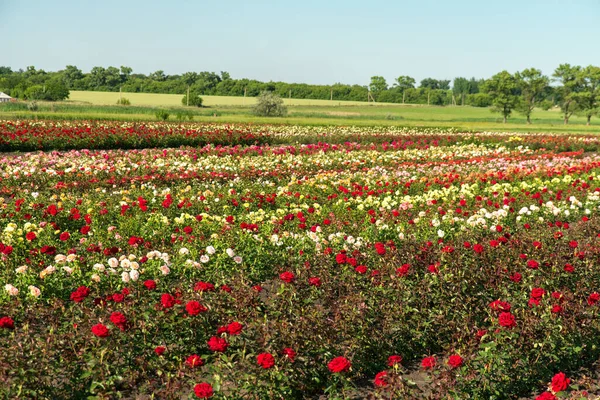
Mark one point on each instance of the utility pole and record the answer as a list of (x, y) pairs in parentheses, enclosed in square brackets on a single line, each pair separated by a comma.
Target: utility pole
[(428, 92), (120, 95), (188, 96), (331, 97), (290, 94), (403, 93)]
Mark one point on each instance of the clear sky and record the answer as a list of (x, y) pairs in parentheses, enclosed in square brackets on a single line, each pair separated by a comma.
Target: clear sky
[(312, 41)]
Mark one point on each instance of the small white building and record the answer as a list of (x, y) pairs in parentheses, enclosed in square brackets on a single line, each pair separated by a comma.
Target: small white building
[(4, 97)]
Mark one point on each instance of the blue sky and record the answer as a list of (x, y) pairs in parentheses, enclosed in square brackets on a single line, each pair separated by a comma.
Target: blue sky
[(308, 41)]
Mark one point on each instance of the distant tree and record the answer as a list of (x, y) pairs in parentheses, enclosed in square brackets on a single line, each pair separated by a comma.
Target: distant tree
[(35, 92), (97, 77), (55, 90), (433, 84), (588, 99), (269, 104), (189, 78), (404, 82), (225, 76), (112, 77), (195, 99), (5, 71), (158, 76), (125, 73), (461, 87), (71, 75), (532, 84), (377, 85), (503, 89), (570, 79)]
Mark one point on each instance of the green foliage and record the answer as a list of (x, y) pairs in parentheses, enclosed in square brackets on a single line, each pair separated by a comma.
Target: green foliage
[(194, 101), (123, 101), (532, 85), (377, 85), (503, 89), (32, 106), (570, 79), (478, 100), (183, 115), (269, 104), (162, 115)]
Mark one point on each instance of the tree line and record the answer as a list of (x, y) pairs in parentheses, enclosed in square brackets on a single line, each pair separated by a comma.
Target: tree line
[(575, 89)]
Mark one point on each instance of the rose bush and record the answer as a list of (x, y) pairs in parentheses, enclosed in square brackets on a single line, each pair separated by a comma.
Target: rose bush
[(338, 262)]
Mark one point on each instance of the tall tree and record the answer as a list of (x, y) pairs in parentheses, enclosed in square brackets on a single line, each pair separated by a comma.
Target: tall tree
[(125, 73), (588, 99), (570, 78), (405, 82), (71, 74), (532, 84), (377, 85), (503, 88)]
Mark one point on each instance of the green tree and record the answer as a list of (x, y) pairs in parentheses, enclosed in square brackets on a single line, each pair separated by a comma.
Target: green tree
[(158, 76), (55, 90), (588, 99), (269, 104), (532, 84), (404, 82), (71, 75), (195, 99), (570, 79), (435, 84), (503, 89), (125, 73), (377, 85)]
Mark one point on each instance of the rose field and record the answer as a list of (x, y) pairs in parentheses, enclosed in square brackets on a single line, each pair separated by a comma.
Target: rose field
[(181, 261)]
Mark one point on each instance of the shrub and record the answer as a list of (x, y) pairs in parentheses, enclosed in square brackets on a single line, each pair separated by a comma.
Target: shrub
[(195, 100), (162, 115), (269, 105), (32, 106), (123, 101)]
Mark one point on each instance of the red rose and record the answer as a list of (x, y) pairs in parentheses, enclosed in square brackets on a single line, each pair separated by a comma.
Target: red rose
[(203, 390), (64, 236), (340, 258), (569, 268), (30, 236), (265, 360), (546, 396), (507, 320), (216, 343), (560, 382), (394, 360), (118, 297), (361, 269), (100, 330), (234, 328), (428, 362), (204, 287), (80, 294), (339, 364), (287, 276), (118, 319), (289, 353), (85, 229), (257, 288), (403, 270), (516, 277), (159, 350), (150, 284), (226, 288), (314, 281), (380, 248), (478, 248), (537, 293), (556, 309), (194, 308), (381, 379), (533, 264), (7, 323), (194, 361), (455, 361), (593, 298), (167, 300)]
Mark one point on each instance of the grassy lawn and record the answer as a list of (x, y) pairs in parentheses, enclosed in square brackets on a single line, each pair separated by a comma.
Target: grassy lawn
[(102, 105)]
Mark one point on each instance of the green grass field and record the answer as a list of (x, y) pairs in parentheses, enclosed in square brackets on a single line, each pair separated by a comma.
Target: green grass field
[(102, 105), (174, 100)]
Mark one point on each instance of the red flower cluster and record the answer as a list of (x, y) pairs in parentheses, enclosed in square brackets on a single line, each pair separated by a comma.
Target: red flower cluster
[(80, 294), (100, 330), (7, 323), (265, 360)]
